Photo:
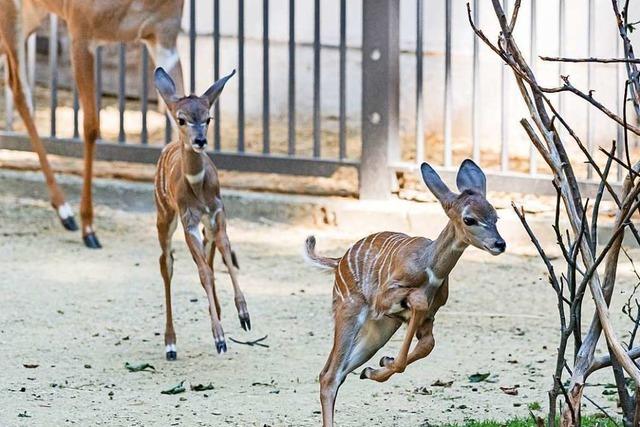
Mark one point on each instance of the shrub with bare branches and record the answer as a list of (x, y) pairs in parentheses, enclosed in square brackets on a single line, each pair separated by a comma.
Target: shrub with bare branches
[(582, 255)]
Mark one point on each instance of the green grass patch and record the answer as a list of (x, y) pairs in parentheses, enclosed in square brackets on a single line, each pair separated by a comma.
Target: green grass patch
[(587, 421)]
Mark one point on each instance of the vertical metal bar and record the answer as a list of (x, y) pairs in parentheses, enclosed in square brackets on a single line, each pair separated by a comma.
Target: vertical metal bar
[(144, 95), (475, 140), (76, 109), (122, 72), (192, 46), (53, 70), (590, 42), (561, 20), (216, 73), (31, 67), (98, 77), (447, 86), (504, 148), (380, 96), (316, 79), (342, 116), (240, 76), (265, 78), (8, 97), (533, 56), (419, 137), (292, 78)]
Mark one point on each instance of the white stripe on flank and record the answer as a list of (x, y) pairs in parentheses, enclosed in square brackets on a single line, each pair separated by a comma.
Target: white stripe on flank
[(376, 258), (390, 249), (346, 288), (194, 179), (338, 291), (362, 243)]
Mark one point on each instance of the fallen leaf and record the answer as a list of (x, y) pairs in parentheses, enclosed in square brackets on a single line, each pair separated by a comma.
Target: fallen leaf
[(176, 389), (478, 377), (440, 383), (511, 391), (201, 387), (139, 367)]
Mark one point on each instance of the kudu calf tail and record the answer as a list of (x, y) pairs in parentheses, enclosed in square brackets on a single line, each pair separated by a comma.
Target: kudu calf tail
[(324, 263)]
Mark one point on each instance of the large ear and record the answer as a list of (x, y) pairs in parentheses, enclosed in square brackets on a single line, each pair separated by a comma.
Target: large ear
[(165, 85), (214, 91), (435, 184), (471, 177)]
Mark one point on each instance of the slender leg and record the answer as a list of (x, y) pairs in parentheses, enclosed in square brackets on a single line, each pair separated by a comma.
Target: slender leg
[(190, 223), (223, 245), (356, 339), (210, 252), (423, 348), (12, 40), (400, 363), (166, 225), (82, 60)]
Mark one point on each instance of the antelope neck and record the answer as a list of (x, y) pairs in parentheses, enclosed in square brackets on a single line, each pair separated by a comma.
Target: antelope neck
[(192, 163), (443, 254)]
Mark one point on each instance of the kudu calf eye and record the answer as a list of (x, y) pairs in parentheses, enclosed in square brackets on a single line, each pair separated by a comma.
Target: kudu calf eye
[(469, 221), (208, 120), (182, 122)]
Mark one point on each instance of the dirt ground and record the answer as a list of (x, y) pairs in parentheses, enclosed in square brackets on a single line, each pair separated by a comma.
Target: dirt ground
[(80, 315)]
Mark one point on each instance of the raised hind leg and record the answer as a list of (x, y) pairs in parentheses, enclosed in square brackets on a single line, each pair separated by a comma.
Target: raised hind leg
[(166, 225), (357, 338)]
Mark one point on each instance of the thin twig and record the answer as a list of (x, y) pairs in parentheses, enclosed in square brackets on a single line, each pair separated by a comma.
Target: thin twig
[(602, 60), (252, 343)]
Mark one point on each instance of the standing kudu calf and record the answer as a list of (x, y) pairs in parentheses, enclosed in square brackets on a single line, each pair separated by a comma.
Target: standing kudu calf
[(389, 278), (187, 189), (90, 22)]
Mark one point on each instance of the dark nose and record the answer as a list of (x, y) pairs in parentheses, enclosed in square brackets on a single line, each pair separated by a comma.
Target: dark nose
[(200, 142), (500, 245)]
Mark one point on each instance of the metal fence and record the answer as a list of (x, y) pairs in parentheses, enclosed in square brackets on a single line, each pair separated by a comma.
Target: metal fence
[(381, 149)]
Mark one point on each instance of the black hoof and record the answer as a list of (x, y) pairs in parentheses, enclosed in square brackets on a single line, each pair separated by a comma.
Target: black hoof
[(69, 223), (91, 241), (365, 373), (221, 347), (245, 322), (172, 355), (386, 361)]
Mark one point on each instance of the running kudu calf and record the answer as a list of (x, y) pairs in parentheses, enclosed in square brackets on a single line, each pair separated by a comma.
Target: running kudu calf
[(187, 189), (389, 278)]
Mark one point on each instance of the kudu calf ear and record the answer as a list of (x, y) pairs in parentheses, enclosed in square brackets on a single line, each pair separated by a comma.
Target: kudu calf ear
[(471, 177), (215, 90), (165, 85), (436, 185)]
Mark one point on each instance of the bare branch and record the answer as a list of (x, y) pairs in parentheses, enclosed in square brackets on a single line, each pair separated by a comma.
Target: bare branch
[(601, 60), (605, 361)]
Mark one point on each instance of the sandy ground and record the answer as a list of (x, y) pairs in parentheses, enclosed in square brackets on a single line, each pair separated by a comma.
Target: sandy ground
[(80, 315)]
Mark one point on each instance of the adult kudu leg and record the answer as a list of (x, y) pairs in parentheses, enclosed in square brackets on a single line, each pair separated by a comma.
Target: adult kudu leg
[(12, 43), (83, 68)]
